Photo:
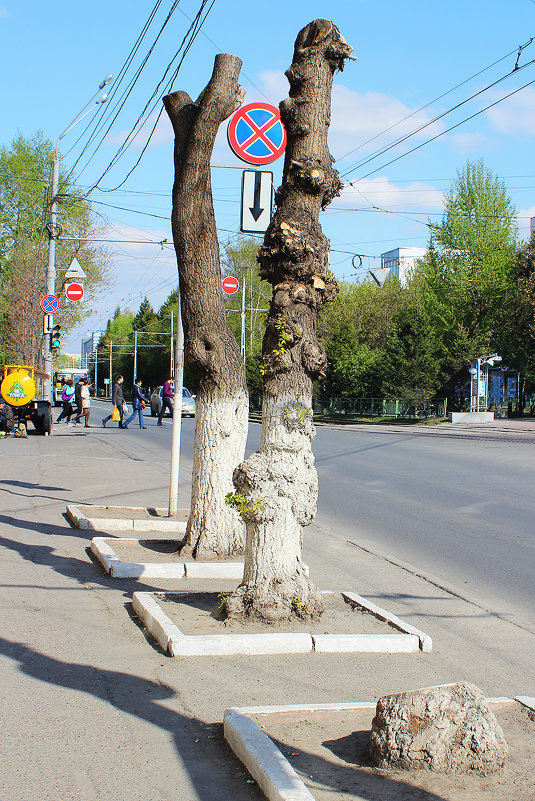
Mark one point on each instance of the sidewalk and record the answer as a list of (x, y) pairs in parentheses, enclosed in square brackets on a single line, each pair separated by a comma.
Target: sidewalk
[(93, 709)]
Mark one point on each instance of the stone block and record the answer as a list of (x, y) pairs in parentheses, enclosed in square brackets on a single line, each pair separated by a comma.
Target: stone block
[(447, 729)]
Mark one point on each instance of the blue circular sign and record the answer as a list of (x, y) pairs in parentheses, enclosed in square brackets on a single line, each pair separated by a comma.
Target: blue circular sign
[(50, 304), (256, 134)]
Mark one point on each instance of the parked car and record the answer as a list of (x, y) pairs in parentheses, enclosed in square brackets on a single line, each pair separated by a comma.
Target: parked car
[(188, 402)]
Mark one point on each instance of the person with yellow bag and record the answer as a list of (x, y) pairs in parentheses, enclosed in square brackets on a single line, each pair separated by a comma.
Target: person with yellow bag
[(118, 400)]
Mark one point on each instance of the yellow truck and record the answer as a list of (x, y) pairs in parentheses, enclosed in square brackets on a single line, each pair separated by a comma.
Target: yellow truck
[(19, 387)]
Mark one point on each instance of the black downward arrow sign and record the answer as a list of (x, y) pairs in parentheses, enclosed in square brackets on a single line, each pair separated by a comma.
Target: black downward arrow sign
[(256, 211)]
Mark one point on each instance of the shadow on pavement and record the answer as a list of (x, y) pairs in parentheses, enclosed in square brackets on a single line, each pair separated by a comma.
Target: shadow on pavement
[(213, 769)]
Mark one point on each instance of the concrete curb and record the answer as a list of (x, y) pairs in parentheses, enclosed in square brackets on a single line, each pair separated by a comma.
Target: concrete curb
[(102, 548), (158, 522), (264, 761), (270, 769), (171, 638), (426, 643)]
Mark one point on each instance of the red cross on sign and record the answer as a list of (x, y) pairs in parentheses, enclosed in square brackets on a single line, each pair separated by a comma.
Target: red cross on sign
[(256, 134)]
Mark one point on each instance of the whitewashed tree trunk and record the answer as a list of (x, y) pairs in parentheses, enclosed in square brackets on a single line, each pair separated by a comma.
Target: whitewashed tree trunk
[(277, 488), (220, 435), (211, 350)]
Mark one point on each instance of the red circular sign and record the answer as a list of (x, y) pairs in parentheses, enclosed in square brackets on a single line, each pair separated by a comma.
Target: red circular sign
[(256, 134), (74, 292), (230, 285)]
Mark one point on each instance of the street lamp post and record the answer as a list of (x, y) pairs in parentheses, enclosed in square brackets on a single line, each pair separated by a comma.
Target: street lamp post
[(52, 235)]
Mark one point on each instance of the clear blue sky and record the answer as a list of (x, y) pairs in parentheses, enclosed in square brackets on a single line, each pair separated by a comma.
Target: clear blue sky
[(53, 55)]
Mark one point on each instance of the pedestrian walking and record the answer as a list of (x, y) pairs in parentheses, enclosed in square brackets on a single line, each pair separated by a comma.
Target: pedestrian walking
[(138, 404), (7, 418), (86, 404), (117, 399), (168, 394), (78, 394), (67, 397)]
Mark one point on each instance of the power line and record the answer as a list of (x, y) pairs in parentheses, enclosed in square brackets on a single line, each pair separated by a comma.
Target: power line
[(192, 33), (399, 141), (430, 103), (467, 119)]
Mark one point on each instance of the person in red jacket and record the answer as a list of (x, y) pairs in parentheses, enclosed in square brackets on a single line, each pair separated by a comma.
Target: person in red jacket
[(168, 394)]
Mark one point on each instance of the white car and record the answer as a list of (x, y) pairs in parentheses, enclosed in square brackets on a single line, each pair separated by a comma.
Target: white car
[(188, 402)]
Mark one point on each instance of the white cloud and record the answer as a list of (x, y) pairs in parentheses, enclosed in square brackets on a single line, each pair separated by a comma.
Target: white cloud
[(380, 192), (356, 117), (163, 134), (470, 142), (524, 216), (515, 115)]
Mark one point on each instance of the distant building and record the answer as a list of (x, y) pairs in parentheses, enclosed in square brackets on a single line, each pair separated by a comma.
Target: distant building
[(400, 262), (532, 225), (397, 263), (88, 347)]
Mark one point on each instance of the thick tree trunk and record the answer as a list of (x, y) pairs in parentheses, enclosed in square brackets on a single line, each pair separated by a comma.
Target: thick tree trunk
[(214, 529), (276, 488)]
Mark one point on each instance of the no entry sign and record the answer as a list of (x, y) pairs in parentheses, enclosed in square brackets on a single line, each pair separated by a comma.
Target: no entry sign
[(230, 285), (256, 134), (74, 292)]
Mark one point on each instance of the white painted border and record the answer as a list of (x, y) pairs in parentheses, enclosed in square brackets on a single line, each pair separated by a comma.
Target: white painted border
[(174, 640), (102, 547), (265, 762), (426, 643), (80, 520)]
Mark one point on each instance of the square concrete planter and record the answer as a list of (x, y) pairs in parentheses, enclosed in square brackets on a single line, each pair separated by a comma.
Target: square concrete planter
[(127, 519), (172, 639), (266, 763), (103, 549)]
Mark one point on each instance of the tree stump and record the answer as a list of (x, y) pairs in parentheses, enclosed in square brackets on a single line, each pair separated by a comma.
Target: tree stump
[(447, 729)]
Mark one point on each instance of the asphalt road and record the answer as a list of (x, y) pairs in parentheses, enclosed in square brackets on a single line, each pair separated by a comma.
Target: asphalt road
[(461, 508)]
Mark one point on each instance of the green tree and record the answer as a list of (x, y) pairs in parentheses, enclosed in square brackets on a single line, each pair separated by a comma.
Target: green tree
[(25, 174), (354, 332), (469, 274)]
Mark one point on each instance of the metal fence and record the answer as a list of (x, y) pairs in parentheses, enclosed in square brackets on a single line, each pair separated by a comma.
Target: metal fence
[(370, 407)]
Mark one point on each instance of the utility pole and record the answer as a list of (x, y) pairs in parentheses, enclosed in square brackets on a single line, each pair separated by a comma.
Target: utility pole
[(51, 274), (177, 413), (172, 348), (96, 372), (242, 315), (52, 234), (111, 365), (135, 358)]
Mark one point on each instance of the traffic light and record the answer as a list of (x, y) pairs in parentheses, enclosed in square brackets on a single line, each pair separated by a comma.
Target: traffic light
[(55, 340)]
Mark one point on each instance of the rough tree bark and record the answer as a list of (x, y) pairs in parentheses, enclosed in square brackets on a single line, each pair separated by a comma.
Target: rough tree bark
[(214, 529), (277, 488)]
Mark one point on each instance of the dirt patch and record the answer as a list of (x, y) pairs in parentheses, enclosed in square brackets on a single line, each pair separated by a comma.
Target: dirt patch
[(196, 613), (329, 751), (152, 551)]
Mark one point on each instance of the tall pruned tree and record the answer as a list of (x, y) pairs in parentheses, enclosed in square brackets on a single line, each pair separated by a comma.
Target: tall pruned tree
[(276, 488), (211, 350)]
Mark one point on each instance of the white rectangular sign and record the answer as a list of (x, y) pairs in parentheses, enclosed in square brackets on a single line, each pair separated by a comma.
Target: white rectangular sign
[(48, 323), (256, 201)]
